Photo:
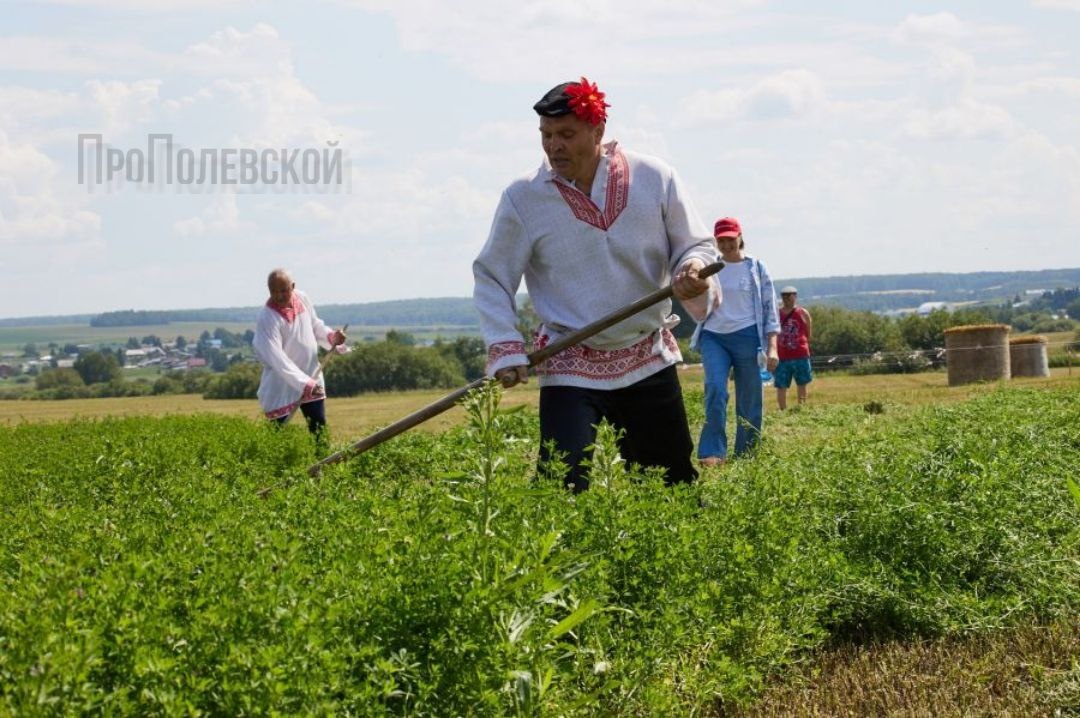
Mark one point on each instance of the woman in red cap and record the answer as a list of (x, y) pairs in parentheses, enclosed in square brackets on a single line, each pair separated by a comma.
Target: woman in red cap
[(736, 335)]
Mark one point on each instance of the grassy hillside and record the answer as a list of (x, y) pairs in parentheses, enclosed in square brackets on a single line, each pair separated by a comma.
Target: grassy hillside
[(882, 292)]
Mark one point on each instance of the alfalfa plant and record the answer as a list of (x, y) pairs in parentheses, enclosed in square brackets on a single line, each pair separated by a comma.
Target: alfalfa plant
[(396, 676), (540, 651)]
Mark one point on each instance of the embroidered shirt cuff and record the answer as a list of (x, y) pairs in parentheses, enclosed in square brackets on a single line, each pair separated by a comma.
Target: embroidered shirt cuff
[(504, 354)]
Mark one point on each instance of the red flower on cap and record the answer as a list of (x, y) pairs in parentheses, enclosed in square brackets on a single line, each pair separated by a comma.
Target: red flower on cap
[(726, 227), (587, 101)]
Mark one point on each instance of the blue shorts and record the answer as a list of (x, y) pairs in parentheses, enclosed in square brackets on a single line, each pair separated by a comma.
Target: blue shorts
[(798, 368)]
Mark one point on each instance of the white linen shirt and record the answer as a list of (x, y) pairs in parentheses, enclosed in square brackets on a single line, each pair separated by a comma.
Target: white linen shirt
[(289, 353), (577, 272)]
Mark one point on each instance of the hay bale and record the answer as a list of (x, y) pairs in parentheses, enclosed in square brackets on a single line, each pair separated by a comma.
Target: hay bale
[(1027, 356), (978, 352)]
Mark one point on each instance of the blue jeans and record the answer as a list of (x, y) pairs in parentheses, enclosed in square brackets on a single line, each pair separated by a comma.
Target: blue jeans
[(721, 353)]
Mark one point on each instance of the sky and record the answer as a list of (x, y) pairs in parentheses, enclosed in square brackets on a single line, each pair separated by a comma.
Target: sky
[(847, 137)]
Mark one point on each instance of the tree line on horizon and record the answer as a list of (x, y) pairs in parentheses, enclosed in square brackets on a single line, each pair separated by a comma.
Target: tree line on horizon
[(862, 341), (858, 292)]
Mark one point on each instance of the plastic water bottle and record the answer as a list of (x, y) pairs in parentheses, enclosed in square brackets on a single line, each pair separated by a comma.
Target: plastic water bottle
[(763, 363)]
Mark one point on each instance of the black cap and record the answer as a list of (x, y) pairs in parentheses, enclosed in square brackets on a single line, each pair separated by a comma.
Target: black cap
[(555, 103)]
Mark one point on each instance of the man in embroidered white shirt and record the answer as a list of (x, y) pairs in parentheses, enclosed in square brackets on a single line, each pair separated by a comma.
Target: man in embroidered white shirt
[(594, 229), (288, 334)]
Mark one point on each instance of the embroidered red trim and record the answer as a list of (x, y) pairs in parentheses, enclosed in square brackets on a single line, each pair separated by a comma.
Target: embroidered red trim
[(500, 350), (283, 411), (291, 312), (600, 364), (616, 198)]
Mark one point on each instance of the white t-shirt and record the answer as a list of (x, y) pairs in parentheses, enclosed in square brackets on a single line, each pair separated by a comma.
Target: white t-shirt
[(737, 310)]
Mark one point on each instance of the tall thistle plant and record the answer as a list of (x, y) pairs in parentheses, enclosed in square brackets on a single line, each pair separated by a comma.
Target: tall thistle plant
[(606, 465), (487, 438), (539, 642)]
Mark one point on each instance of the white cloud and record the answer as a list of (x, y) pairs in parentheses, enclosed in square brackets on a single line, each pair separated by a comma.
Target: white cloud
[(535, 40), (431, 24), (952, 70), (231, 52), (251, 77), (408, 208), (255, 97), (1073, 5), (27, 106), (220, 218), (939, 27), (947, 106), (946, 28), (1049, 173), (38, 117), (312, 211), (122, 105), (1067, 86), (793, 94), (966, 119), (32, 53), (152, 6), (35, 214), (826, 129), (112, 107), (251, 96)]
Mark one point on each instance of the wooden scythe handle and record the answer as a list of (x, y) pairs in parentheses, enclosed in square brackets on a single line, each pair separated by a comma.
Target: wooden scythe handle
[(540, 355)]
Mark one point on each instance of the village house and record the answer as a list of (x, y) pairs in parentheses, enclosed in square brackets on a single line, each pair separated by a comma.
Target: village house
[(147, 355)]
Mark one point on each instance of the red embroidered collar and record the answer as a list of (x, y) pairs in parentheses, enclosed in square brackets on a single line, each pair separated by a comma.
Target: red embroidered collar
[(618, 192), (289, 313)]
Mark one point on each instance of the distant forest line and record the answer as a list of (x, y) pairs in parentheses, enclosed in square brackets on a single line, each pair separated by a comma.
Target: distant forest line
[(877, 293)]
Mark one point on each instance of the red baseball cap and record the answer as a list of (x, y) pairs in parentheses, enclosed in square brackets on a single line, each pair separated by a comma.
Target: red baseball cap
[(726, 227)]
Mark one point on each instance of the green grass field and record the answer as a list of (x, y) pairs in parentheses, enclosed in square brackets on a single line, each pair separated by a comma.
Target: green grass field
[(860, 554)]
